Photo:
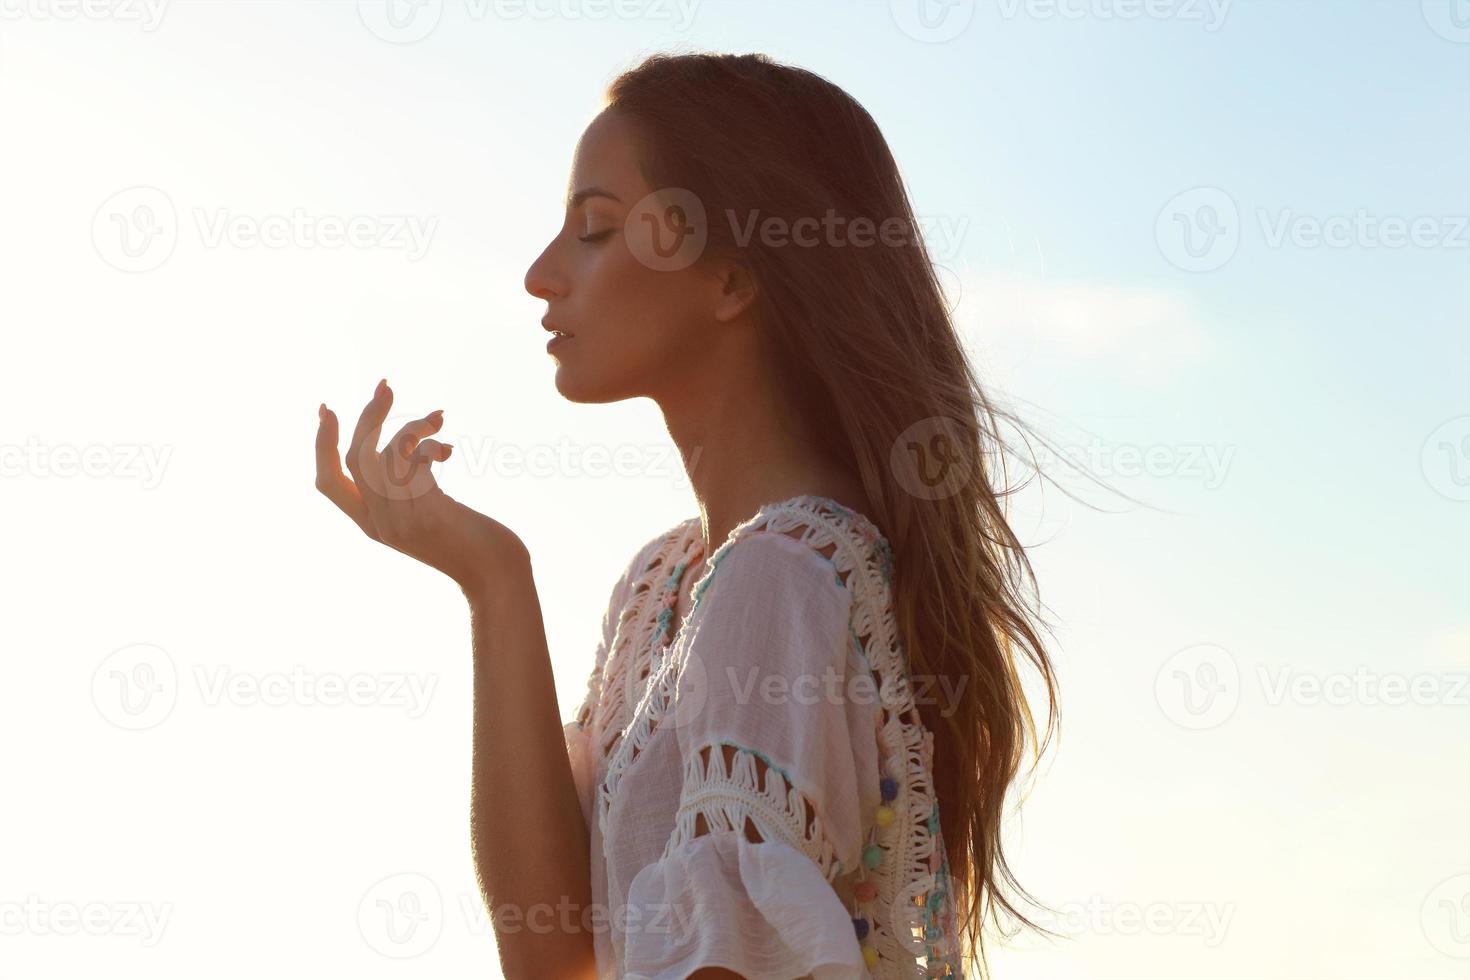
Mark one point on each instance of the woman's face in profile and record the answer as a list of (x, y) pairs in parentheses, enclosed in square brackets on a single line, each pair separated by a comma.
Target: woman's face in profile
[(635, 330)]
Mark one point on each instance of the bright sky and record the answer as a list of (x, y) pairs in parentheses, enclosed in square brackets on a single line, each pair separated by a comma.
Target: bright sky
[(1220, 247)]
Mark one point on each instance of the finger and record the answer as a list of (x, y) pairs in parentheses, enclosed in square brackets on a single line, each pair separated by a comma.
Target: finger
[(363, 450), (330, 479), (416, 472), (432, 450), (408, 437), (398, 456)]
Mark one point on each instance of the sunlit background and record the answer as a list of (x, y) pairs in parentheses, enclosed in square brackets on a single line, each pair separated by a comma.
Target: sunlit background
[(1218, 251)]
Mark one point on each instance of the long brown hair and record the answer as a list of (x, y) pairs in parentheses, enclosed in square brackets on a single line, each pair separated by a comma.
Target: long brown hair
[(870, 354)]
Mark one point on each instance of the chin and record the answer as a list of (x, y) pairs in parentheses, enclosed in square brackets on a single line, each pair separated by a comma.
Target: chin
[(576, 386)]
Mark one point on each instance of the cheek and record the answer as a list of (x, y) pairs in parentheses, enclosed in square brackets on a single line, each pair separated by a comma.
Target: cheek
[(649, 311), (619, 280)]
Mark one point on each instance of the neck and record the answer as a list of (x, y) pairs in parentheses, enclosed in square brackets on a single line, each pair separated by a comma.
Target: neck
[(744, 446)]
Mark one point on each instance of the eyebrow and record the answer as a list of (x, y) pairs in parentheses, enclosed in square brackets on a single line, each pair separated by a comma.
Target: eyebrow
[(587, 192)]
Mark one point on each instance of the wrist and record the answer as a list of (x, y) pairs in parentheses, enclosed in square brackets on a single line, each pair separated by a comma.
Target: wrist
[(499, 577)]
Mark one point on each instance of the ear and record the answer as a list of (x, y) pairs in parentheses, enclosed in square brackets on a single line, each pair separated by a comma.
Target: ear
[(737, 290)]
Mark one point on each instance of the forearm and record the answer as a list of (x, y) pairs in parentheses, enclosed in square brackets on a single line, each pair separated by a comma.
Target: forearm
[(530, 843)]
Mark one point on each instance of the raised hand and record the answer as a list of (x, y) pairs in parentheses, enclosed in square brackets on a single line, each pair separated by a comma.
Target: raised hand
[(393, 497)]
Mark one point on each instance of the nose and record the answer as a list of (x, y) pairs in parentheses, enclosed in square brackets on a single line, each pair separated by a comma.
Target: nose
[(542, 281)]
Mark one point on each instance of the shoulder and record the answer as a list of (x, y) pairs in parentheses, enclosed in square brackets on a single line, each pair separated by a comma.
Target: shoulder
[(771, 589), (812, 536), (772, 561)]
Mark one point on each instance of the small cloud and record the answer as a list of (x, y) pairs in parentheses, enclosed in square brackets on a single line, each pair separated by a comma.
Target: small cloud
[(1140, 331)]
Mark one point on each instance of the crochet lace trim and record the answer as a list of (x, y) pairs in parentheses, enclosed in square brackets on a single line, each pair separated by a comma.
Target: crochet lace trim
[(912, 920), (747, 793)]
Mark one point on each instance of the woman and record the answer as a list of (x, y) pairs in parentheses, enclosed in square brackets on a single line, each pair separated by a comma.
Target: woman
[(799, 730)]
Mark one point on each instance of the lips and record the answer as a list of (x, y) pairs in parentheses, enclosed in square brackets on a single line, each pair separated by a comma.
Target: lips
[(553, 328)]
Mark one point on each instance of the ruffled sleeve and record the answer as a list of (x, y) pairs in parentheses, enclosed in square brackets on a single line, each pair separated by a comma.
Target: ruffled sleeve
[(779, 763)]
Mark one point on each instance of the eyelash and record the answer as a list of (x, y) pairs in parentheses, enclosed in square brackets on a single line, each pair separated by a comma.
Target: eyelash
[(597, 237)]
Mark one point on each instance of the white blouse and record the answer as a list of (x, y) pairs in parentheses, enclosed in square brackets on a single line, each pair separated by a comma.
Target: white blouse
[(758, 789)]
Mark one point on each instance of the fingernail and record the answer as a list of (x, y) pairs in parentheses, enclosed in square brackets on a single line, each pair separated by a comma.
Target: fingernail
[(439, 412), (321, 413), (382, 387)]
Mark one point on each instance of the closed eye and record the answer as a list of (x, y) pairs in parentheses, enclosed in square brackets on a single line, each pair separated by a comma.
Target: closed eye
[(596, 236)]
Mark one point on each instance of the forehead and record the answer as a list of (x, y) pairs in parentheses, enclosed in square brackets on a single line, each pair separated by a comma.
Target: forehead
[(606, 157)]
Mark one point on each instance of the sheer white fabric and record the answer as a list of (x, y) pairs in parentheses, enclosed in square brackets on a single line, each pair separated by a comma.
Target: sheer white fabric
[(732, 770)]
